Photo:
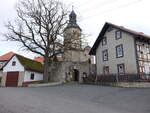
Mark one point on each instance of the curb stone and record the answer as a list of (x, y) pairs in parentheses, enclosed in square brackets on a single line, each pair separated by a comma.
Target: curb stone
[(45, 85)]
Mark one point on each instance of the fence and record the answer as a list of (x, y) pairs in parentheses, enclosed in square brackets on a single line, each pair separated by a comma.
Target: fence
[(116, 78), (0, 79)]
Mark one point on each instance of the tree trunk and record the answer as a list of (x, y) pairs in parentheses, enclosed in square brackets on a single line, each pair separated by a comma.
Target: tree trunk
[(46, 69)]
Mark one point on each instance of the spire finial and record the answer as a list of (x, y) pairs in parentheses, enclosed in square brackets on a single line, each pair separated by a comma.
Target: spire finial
[(72, 20), (72, 7)]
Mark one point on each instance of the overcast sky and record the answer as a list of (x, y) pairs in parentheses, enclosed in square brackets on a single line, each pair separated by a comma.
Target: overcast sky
[(92, 14)]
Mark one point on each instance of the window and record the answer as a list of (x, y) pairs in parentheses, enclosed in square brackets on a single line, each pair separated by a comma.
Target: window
[(149, 71), (104, 41), (13, 63), (32, 76), (138, 47), (119, 51), (142, 69), (106, 70), (118, 35), (147, 50), (105, 55), (121, 69), (148, 56)]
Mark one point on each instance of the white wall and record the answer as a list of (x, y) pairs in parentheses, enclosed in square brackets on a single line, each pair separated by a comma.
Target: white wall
[(37, 76), (17, 67)]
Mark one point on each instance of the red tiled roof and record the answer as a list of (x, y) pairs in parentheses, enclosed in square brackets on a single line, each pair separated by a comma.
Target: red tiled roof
[(6, 56), (41, 59)]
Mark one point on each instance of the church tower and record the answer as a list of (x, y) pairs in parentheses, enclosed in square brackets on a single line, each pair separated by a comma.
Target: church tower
[(72, 39)]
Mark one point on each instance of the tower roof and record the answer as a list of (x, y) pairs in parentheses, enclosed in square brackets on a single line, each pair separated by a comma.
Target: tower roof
[(72, 17), (72, 21)]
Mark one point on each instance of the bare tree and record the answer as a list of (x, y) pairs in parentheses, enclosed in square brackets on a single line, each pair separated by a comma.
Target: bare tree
[(39, 28)]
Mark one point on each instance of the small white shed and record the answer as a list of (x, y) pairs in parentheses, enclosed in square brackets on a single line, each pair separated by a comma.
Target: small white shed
[(20, 71)]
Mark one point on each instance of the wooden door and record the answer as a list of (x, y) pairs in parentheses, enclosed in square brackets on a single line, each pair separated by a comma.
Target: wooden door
[(12, 79)]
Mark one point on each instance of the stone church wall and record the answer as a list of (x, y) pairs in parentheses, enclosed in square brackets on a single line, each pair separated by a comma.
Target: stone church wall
[(64, 71)]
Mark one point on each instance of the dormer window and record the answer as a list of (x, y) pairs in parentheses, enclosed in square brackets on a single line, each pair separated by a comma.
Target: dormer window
[(118, 35), (13, 63), (104, 41)]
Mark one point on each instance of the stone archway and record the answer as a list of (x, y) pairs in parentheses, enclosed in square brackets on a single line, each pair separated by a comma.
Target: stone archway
[(76, 75)]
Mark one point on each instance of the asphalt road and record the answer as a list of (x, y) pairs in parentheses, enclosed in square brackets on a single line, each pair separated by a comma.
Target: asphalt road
[(74, 98)]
